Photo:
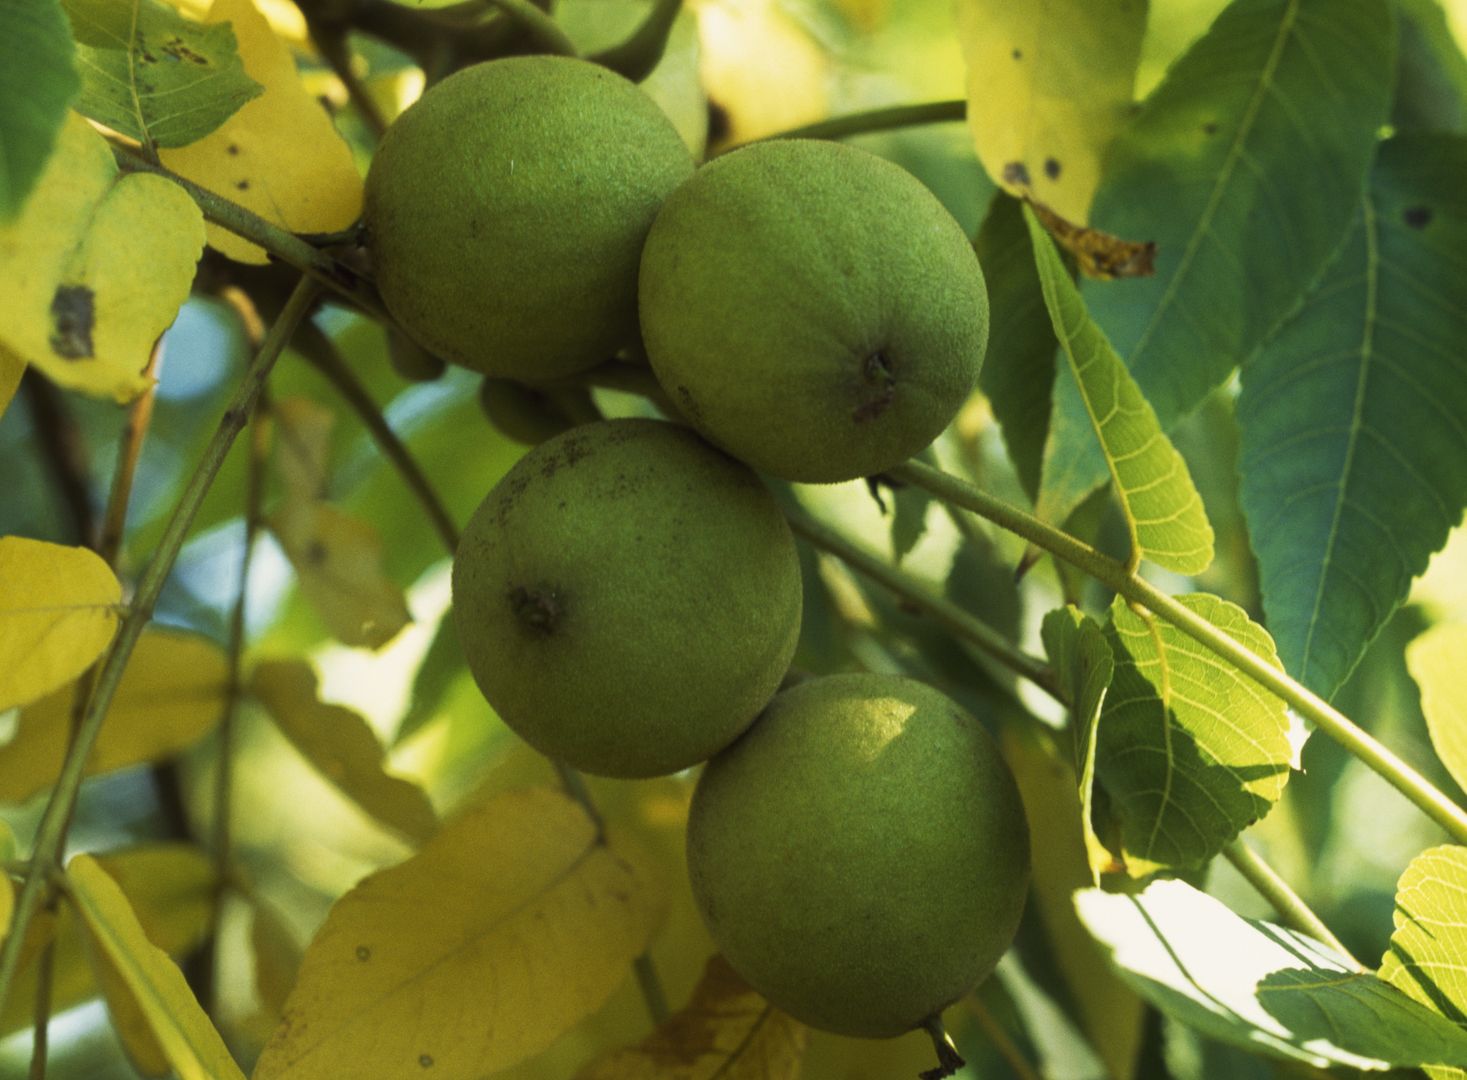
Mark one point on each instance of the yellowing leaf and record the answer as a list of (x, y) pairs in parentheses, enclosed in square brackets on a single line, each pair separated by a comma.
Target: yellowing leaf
[(7, 905), (129, 1022), (96, 267), (280, 155), (1048, 86), (339, 560), (277, 958), (171, 695), (342, 747), (1436, 660), (12, 368), (189, 1041), (511, 925), (304, 440), (727, 1032), (58, 611)]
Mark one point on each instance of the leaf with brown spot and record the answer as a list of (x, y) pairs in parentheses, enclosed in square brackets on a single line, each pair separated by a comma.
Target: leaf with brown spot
[(1098, 254)]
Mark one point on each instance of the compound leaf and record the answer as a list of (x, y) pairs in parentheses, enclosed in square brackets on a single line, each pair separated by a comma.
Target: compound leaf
[(1352, 424), (59, 607), (515, 913), (1244, 166), (1163, 510), (1191, 751), (1048, 87), (1260, 986), (38, 81), (342, 748), (1436, 660)]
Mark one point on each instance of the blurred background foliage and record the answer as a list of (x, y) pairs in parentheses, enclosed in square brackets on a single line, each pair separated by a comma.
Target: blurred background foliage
[(736, 70)]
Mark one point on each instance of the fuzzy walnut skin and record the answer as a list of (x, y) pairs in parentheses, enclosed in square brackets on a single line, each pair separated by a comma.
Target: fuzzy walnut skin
[(860, 855), (813, 309), (628, 598), (507, 208)]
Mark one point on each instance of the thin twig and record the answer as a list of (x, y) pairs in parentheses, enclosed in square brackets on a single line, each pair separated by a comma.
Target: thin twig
[(539, 28), (51, 835), (1289, 904), (41, 1027), (134, 432), (865, 123)]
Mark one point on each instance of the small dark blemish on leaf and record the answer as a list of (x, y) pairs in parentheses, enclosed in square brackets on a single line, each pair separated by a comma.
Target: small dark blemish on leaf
[(178, 49), (1418, 217), (364, 953), (1051, 168), (73, 313), (242, 185), (1016, 172), (1209, 128), (232, 149), (316, 553), (1018, 54), (425, 1060)]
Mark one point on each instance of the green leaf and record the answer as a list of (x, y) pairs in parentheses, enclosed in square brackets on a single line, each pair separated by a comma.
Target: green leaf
[(1427, 958), (1260, 986), (154, 75), (443, 665), (1436, 660), (1353, 435), (1244, 166), (1191, 751), (908, 520), (1084, 666), (341, 747), (38, 82), (1431, 72), (1018, 372), (1164, 513)]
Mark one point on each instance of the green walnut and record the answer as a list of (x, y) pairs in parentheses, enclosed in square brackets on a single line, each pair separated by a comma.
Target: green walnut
[(813, 309), (628, 598), (506, 211), (860, 855)]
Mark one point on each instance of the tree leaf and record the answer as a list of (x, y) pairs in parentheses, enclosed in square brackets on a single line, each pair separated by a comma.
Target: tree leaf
[(726, 1032), (303, 454), (12, 367), (908, 520), (442, 666), (189, 1041), (338, 559), (277, 957), (1191, 751), (170, 697), (38, 82), (342, 748), (1244, 166), (1018, 372), (1260, 986), (279, 155), (1427, 958), (1048, 87), (1084, 666), (1164, 513), (1431, 72), (514, 914), (153, 75), (76, 304), (1436, 660), (1352, 418), (59, 607)]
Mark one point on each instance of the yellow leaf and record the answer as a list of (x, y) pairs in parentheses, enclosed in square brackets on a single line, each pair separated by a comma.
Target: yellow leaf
[(12, 368), (339, 560), (304, 440), (1435, 660), (1048, 86), (727, 1032), (277, 958), (512, 924), (171, 695), (78, 303), (189, 1041), (129, 1022), (58, 611), (342, 747), (280, 155), (7, 905)]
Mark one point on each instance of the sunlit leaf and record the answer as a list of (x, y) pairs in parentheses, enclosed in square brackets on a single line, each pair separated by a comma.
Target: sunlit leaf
[(514, 913), (153, 75), (1261, 986), (1048, 87), (1084, 666), (189, 1040), (1191, 751), (1427, 958), (726, 1032), (338, 558), (38, 80), (342, 747), (1018, 370), (1352, 424), (1164, 513), (1244, 166), (76, 304), (1437, 659), (279, 155), (171, 696), (59, 607)]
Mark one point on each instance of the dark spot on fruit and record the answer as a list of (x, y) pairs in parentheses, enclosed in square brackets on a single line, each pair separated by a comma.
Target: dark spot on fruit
[(73, 313), (364, 953), (425, 1060), (689, 404), (1209, 128), (878, 387), (1051, 168), (538, 609), (242, 185), (1018, 54), (1418, 217), (1016, 172)]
